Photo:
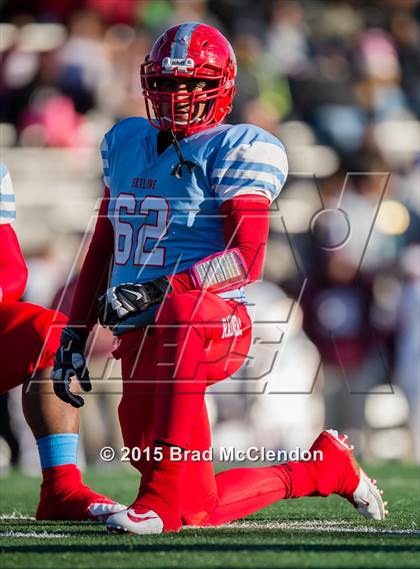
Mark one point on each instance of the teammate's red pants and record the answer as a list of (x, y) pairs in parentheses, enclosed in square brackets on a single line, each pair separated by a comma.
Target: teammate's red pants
[(199, 339), (29, 338)]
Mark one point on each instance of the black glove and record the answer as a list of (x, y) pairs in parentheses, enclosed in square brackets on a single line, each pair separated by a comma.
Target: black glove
[(69, 361), (122, 301)]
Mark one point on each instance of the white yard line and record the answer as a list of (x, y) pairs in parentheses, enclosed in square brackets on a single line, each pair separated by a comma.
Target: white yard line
[(315, 525), (16, 516), (32, 534), (323, 526)]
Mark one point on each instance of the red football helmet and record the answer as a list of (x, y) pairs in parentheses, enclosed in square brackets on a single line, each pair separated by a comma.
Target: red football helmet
[(194, 52)]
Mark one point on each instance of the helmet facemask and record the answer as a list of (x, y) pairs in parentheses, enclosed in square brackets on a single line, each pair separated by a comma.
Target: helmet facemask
[(194, 108)]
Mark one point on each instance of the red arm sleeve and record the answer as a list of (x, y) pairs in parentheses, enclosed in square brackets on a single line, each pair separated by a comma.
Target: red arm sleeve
[(13, 270), (246, 226), (93, 278)]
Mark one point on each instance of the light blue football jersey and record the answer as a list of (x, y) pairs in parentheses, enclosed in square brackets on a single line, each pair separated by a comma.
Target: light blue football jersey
[(162, 224), (7, 197)]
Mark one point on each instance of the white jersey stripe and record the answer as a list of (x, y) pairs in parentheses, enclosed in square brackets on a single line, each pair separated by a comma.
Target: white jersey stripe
[(7, 197), (105, 162), (229, 192), (247, 175), (7, 206), (258, 151), (255, 167)]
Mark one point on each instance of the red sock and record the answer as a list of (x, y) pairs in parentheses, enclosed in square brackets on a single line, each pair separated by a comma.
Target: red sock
[(337, 472), (62, 478), (63, 494)]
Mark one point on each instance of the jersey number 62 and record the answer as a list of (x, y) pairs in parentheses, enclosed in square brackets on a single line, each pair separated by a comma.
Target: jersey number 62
[(138, 230)]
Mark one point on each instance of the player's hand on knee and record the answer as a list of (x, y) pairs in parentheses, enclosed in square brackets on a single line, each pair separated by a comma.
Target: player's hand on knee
[(70, 361), (125, 300)]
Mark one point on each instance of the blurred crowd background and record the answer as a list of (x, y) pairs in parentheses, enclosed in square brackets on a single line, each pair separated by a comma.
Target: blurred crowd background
[(336, 340)]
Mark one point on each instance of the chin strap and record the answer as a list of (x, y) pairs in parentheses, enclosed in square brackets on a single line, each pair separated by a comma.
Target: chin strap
[(177, 170)]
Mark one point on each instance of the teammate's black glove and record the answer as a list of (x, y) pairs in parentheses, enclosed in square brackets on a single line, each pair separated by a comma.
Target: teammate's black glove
[(122, 301), (69, 361)]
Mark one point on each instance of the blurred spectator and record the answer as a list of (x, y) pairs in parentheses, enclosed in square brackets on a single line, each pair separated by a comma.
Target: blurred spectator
[(84, 65), (407, 364), (287, 39), (406, 33), (379, 89), (338, 306), (258, 79)]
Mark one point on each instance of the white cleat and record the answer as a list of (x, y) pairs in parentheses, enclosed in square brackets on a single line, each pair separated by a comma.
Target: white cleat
[(367, 498), (100, 511), (140, 522)]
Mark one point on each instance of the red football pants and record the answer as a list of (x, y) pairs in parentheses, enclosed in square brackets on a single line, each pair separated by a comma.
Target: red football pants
[(29, 338), (165, 373)]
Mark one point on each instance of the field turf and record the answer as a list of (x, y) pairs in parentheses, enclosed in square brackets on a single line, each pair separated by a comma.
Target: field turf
[(312, 532)]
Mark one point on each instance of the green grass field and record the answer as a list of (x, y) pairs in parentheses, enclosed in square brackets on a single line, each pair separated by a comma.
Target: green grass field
[(312, 532)]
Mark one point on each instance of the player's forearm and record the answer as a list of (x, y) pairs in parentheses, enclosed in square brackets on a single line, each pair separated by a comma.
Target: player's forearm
[(91, 284), (93, 278), (246, 226), (13, 270)]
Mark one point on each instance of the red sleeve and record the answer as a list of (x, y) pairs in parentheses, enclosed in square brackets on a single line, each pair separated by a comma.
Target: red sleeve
[(246, 226), (93, 278), (13, 270)]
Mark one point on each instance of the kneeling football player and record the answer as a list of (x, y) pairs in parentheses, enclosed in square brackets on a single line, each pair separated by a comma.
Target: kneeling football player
[(29, 338), (184, 222)]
